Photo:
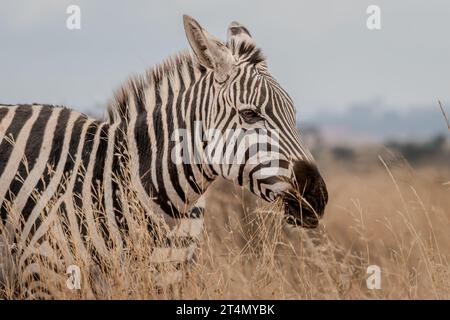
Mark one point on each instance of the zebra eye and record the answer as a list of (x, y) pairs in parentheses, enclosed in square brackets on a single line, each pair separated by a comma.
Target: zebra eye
[(250, 116)]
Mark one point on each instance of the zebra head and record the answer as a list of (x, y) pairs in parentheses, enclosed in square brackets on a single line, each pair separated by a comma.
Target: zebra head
[(256, 119)]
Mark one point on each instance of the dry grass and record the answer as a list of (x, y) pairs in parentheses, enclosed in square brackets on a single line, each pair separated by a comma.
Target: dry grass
[(392, 216), (398, 219)]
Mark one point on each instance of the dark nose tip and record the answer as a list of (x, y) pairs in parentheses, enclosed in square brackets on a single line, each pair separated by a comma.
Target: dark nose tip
[(311, 185)]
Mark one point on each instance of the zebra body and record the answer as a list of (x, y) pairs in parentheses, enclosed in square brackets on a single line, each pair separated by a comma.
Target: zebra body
[(55, 161)]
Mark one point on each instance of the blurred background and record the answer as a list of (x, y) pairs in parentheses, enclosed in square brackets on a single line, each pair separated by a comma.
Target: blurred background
[(352, 86)]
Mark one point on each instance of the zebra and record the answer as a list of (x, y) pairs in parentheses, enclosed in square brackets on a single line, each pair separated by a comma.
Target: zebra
[(54, 159)]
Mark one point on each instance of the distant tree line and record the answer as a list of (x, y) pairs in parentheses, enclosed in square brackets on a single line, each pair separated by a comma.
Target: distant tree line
[(431, 150)]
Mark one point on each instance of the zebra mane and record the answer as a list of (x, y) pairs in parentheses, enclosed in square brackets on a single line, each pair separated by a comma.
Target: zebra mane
[(136, 84), (247, 51)]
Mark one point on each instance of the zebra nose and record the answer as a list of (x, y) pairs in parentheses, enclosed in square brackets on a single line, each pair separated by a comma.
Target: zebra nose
[(312, 192), (310, 184)]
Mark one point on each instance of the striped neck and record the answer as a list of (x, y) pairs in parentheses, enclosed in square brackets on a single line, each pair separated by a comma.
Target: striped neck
[(154, 112)]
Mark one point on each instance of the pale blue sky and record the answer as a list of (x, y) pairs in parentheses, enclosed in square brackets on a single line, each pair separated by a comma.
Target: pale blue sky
[(320, 51)]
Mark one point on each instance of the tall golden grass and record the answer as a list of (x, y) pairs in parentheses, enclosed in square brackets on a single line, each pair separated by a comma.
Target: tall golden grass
[(396, 218), (390, 215)]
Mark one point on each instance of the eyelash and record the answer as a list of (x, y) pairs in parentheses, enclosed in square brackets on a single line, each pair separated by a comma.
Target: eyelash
[(250, 116)]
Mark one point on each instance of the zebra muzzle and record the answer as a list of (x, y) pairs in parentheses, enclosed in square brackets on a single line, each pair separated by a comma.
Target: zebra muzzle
[(300, 213), (305, 203)]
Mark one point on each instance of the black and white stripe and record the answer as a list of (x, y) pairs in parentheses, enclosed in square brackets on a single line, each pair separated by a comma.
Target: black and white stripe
[(55, 162)]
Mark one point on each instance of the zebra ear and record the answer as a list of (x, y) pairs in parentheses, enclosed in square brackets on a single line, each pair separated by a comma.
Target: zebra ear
[(238, 33), (209, 51)]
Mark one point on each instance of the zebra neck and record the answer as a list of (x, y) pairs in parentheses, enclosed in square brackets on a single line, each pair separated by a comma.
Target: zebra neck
[(157, 114)]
